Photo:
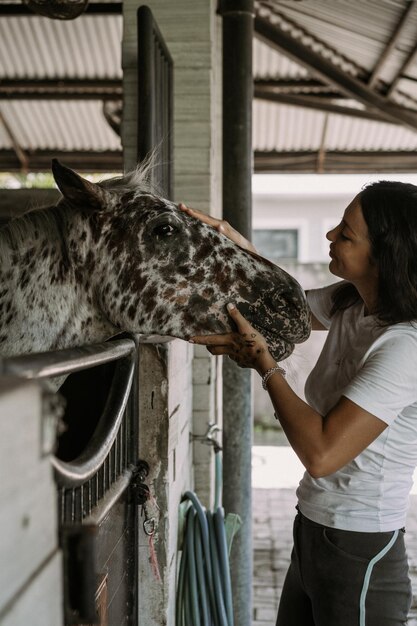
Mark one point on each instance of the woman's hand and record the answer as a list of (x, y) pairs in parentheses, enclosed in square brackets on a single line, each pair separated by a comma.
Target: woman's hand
[(221, 226), (247, 347)]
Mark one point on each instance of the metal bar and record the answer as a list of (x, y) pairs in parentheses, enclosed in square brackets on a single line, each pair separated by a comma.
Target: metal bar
[(63, 362), (111, 496), (321, 155), (351, 86), (403, 69), (394, 39), (311, 102), (302, 85), (146, 139), (98, 450), (237, 209), (84, 161), (155, 100), (97, 8), (352, 162), (61, 88)]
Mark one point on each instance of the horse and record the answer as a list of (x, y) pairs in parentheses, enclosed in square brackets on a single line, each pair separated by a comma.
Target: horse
[(115, 256)]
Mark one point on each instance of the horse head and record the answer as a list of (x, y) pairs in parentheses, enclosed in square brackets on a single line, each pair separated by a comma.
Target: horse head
[(155, 270)]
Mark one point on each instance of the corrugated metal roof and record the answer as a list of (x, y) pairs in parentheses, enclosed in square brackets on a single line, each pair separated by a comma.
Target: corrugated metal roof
[(58, 125), (36, 47), (350, 34), (282, 128), (269, 63), (356, 29)]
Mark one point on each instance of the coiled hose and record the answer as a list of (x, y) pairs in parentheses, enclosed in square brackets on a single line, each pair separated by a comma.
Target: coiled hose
[(204, 592)]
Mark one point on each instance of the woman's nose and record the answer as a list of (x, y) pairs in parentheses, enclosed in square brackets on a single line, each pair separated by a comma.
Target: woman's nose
[(331, 234)]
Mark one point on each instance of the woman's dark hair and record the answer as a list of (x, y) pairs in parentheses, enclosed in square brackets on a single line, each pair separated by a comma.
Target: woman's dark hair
[(390, 212)]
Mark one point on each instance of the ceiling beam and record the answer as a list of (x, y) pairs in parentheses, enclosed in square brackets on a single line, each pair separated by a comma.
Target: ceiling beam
[(98, 8), (311, 102), (40, 160), (394, 39), (321, 154), (336, 161), (276, 37), (303, 86), (61, 89), (401, 72)]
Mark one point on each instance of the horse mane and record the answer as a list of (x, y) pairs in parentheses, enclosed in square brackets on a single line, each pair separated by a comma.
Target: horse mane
[(16, 233)]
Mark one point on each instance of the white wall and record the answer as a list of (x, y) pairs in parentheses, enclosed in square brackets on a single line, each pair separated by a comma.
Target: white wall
[(311, 203), (30, 559)]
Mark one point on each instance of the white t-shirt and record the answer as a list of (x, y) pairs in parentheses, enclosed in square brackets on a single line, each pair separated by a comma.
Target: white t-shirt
[(375, 367)]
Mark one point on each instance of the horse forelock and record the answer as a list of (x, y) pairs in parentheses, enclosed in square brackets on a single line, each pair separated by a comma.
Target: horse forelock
[(139, 181)]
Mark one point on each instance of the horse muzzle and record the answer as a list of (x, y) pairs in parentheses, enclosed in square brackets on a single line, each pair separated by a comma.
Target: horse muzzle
[(282, 316)]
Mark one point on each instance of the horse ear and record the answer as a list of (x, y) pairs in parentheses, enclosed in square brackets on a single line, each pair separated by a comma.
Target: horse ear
[(79, 192)]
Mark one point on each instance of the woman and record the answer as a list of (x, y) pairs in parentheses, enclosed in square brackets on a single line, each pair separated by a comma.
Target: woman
[(357, 436)]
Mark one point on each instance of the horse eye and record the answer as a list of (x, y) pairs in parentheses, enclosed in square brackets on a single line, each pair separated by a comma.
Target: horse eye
[(164, 230)]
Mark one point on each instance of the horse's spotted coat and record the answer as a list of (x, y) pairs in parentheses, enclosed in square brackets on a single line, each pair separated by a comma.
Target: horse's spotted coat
[(114, 257)]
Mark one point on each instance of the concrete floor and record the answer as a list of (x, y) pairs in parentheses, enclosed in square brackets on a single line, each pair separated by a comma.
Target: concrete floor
[(273, 514)]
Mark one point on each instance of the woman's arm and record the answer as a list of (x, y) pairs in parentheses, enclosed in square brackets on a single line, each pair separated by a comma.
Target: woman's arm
[(324, 444)]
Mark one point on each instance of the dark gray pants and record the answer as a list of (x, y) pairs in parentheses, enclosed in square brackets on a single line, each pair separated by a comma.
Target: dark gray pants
[(345, 578)]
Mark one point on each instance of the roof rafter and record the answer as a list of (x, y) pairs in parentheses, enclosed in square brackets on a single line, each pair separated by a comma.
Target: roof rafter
[(336, 161), (61, 88), (390, 47), (274, 35), (312, 102), (97, 8), (297, 86), (85, 161), (403, 69)]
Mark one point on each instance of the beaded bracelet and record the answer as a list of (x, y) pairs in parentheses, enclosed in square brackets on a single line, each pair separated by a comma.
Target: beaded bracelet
[(269, 373)]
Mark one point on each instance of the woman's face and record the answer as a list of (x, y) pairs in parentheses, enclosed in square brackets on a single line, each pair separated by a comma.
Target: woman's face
[(350, 249)]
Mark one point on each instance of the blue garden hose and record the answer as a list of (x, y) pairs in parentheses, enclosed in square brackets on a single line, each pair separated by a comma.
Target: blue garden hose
[(204, 591)]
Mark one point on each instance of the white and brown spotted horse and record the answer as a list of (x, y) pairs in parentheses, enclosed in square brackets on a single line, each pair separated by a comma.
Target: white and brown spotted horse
[(113, 257)]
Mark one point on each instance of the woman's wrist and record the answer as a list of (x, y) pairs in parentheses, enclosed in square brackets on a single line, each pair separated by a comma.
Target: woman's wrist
[(265, 364), (271, 372)]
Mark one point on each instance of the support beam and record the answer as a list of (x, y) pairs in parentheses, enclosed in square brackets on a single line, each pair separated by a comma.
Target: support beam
[(302, 86), (61, 89), (98, 8), (319, 104), (237, 209), (403, 70), (390, 47), (321, 155), (276, 37), (336, 162), (40, 161)]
